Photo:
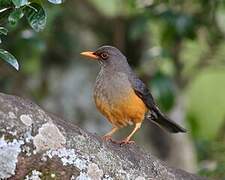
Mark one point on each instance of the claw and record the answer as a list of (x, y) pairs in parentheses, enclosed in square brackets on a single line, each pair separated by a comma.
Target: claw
[(126, 141), (107, 138)]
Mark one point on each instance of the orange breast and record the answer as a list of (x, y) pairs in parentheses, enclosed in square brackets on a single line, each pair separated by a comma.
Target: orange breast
[(122, 111)]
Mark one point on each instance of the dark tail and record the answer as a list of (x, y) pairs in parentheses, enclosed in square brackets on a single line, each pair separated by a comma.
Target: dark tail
[(161, 120)]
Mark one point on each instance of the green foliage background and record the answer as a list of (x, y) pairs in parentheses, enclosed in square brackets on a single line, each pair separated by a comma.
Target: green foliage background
[(176, 46)]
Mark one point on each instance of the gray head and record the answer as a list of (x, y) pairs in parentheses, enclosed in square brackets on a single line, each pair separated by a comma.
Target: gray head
[(108, 56)]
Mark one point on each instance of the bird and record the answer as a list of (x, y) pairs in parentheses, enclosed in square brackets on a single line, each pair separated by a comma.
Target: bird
[(122, 97)]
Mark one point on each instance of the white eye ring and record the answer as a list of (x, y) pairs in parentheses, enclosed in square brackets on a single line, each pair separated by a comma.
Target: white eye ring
[(104, 55)]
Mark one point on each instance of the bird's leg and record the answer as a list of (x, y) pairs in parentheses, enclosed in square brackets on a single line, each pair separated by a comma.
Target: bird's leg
[(127, 139), (108, 136)]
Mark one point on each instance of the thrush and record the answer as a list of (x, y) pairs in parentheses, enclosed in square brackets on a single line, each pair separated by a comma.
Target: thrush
[(122, 97)]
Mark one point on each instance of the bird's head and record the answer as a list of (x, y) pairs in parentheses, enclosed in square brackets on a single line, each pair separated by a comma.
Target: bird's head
[(106, 55)]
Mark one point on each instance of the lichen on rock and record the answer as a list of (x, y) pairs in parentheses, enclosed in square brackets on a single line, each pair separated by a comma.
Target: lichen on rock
[(49, 136), (67, 157), (36, 144), (35, 175), (26, 119), (94, 172), (9, 152)]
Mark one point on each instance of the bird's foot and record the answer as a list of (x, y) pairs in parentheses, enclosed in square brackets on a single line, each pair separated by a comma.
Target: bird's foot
[(107, 138), (126, 141)]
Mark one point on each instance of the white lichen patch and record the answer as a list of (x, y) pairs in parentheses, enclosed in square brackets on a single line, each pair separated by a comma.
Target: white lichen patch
[(11, 115), (13, 133), (94, 172), (140, 178), (27, 150), (27, 138), (35, 175), (82, 176), (88, 169), (48, 137), (122, 174), (26, 119), (68, 157), (107, 177), (9, 152)]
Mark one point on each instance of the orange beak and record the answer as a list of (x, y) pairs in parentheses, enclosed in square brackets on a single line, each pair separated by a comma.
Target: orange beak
[(89, 54)]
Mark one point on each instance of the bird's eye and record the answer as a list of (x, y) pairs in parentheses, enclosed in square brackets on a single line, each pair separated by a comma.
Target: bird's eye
[(104, 56)]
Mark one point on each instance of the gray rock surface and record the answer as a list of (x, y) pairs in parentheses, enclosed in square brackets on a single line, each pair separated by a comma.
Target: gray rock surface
[(35, 144)]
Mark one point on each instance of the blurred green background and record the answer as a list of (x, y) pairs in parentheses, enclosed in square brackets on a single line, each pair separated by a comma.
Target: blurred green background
[(177, 47)]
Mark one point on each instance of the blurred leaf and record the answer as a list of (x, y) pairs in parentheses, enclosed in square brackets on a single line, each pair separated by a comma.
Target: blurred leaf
[(109, 8), (15, 16), (19, 3), (36, 16), (191, 54), (4, 13), (138, 27), (184, 25), (3, 30), (9, 58), (56, 1), (5, 3), (206, 104), (176, 25)]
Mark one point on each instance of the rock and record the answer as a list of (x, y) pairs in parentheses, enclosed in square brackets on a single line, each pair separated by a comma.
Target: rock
[(35, 144)]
